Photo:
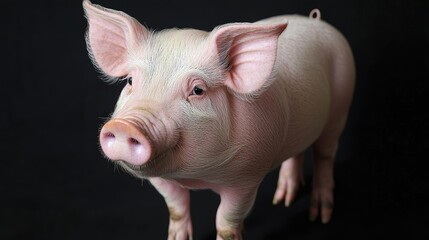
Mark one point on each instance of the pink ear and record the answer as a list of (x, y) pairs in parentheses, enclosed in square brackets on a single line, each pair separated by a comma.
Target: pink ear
[(250, 50), (111, 36)]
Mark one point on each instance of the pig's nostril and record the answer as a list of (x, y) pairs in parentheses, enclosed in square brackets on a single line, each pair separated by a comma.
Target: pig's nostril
[(109, 135), (134, 141), (137, 147), (109, 139)]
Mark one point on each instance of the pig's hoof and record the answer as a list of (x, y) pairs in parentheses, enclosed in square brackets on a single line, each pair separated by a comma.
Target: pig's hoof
[(290, 177), (180, 229), (229, 235), (322, 202)]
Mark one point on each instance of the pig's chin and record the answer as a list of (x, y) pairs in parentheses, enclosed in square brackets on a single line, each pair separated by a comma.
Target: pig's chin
[(149, 169)]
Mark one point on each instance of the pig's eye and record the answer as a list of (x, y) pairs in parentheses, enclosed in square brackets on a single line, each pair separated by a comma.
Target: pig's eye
[(197, 91)]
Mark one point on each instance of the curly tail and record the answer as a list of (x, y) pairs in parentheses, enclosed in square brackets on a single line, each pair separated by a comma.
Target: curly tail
[(315, 14)]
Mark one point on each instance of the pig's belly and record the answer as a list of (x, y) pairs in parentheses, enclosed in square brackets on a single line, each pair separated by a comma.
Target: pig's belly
[(196, 184)]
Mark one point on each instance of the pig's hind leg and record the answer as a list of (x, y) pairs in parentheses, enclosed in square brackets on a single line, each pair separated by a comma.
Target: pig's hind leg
[(324, 151), (325, 148), (290, 177), (322, 200), (178, 203)]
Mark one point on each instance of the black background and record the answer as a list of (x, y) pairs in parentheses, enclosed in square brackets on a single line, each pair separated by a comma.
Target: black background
[(55, 184)]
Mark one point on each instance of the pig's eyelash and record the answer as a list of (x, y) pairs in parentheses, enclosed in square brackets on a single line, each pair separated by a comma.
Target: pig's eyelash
[(111, 80), (124, 78), (117, 80)]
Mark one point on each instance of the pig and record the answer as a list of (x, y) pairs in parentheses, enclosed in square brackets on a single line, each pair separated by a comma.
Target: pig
[(219, 110)]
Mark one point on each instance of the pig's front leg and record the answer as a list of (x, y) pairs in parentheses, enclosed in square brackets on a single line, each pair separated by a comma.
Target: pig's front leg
[(178, 203), (234, 206)]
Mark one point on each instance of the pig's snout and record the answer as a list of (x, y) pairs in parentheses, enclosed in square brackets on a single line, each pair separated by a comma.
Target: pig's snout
[(122, 140)]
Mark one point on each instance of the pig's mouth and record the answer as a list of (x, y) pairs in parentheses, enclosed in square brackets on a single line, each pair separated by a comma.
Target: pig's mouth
[(146, 169)]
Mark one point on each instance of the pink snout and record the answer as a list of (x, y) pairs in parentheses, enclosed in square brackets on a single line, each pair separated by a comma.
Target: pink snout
[(121, 140)]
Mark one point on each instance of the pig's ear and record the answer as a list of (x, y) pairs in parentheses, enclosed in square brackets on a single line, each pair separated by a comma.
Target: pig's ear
[(249, 52), (111, 35)]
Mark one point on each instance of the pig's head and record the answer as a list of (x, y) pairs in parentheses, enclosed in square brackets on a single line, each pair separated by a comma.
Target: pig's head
[(174, 115)]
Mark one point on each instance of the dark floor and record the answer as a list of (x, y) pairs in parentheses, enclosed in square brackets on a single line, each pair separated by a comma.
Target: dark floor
[(55, 184)]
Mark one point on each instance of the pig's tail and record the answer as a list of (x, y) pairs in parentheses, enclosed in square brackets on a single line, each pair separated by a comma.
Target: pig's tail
[(315, 14)]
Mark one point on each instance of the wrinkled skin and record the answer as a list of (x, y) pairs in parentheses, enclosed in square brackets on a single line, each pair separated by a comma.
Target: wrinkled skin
[(219, 110)]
